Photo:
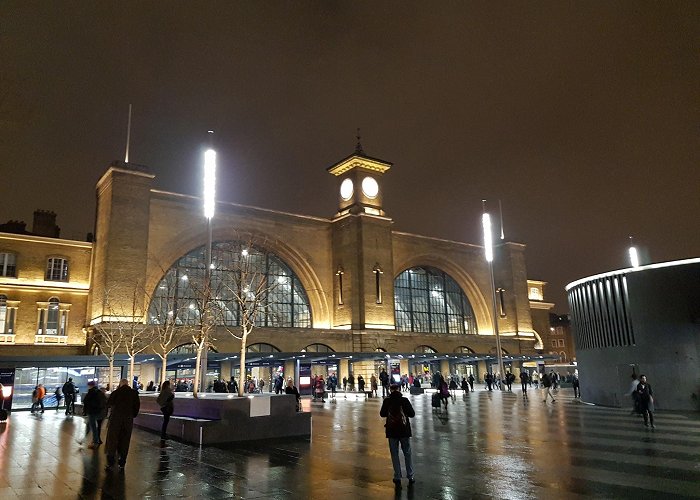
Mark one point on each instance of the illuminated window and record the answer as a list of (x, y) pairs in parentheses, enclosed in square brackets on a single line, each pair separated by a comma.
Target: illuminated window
[(425, 349), (560, 342), (53, 317), (428, 300), (464, 350), (244, 280), (261, 347), (535, 293), (7, 316), (7, 265), (57, 269)]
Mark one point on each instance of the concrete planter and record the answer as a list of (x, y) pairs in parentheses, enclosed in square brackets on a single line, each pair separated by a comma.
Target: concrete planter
[(225, 418)]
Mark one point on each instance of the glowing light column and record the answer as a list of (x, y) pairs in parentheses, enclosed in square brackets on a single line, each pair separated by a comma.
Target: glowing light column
[(488, 251), (634, 256), (209, 205)]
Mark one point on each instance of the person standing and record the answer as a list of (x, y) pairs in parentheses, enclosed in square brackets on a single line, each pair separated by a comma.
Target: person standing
[(398, 411), (69, 393), (320, 389), (333, 384), (351, 382), (547, 384), (361, 383), (291, 389), (165, 401), (345, 384), (575, 385), (465, 385), (488, 378), (471, 382), (646, 401), (384, 379), (524, 380), (94, 404), (373, 386), (124, 404)]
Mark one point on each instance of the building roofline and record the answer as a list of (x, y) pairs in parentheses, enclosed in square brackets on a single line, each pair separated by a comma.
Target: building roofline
[(46, 239)]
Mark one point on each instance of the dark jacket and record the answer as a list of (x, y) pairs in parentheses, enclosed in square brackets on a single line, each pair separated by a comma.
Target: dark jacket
[(124, 403), (644, 393), (392, 404), (165, 399), (94, 402), (68, 389)]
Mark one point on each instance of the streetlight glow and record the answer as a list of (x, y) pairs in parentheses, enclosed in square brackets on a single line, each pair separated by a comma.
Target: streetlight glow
[(488, 242), (634, 257), (209, 182)]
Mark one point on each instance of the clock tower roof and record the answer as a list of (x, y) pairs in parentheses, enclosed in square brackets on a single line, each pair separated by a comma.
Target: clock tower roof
[(359, 159)]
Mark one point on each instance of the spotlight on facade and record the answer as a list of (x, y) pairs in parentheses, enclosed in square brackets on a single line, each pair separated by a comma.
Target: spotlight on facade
[(634, 256)]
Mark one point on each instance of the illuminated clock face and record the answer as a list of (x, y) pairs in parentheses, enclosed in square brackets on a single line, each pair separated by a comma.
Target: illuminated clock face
[(370, 187), (346, 189)]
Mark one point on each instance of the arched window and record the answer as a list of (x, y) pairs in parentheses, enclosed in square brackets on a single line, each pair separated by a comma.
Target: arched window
[(52, 317), (428, 300), (261, 347), (317, 348), (562, 356), (425, 349), (188, 349), (241, 275), (464, 350)]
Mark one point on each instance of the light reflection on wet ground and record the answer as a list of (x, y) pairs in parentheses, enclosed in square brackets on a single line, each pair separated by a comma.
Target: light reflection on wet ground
[(486, 445)]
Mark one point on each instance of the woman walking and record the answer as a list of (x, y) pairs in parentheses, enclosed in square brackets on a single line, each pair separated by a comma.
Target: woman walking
[(165, 400)]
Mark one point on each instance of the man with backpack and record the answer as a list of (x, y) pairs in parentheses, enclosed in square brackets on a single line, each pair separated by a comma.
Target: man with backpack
[(398, 410)]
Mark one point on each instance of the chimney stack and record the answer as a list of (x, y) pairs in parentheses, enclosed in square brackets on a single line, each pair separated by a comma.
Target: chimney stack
[(45, 224)]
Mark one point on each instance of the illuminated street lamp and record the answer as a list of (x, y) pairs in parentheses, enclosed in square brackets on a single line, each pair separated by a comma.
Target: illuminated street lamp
[(634, 256), (209, 207), (488, 251)]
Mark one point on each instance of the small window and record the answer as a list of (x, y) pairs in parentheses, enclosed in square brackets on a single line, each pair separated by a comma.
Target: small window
[(561, 342), (8, 267), (554, 343), (57, 269)]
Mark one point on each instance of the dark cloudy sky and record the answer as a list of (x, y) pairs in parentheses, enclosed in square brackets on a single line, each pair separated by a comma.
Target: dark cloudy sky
[(582, 117)]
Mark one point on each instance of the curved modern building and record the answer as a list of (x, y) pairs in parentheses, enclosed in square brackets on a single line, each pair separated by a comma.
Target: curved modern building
[(643, 320)]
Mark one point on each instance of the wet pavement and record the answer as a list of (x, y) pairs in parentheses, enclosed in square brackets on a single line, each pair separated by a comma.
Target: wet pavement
[(486, 445)]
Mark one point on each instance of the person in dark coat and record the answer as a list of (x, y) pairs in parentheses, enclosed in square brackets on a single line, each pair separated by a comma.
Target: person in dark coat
[(165, 401), (68, 390), (292, 389), (124, 404), (384, 380), (524, 380), (94, 404), (646, 401), (398, 411)]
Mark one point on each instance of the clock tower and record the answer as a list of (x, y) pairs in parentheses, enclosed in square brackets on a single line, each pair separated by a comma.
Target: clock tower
[(362, 246), (359, 189)]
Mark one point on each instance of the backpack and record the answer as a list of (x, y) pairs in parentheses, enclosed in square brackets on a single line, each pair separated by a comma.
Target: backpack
[(396, 420)]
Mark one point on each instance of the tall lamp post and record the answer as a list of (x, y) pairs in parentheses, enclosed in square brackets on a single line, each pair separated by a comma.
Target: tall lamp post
[(634, 256), (209, 204), (488, 250)]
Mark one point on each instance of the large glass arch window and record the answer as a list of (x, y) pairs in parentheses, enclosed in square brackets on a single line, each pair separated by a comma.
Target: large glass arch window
[(317, 348), (429, 300), (238, 271), (261, 347)]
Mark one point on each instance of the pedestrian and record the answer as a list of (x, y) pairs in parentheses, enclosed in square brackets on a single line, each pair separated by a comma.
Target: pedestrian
[(547, 384), (59, 396), (361, 384), (333, 384), (384, 379), (575, 385), (510, 378), (94, 404), (465, 385), (646, 401), (443, 390), (165, 401), (345, 384), (398, 411), (351, 382), (471, 382), (452, 386), (320, 390), (488, 378), (68, 390), (151, 386), (373, 386), (38, 399), (291, 389), (124, 404), (524, 380)]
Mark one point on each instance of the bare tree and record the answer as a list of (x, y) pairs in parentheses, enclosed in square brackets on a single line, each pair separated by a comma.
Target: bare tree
[(243, 297), (166, 313), (108, 339), (203, 322), (135, 331)]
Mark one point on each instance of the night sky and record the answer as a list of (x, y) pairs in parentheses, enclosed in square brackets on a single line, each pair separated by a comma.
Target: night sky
[(582, 117)]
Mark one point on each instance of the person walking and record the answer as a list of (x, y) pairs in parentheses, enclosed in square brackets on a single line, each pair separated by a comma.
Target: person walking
[(39, 398), (59, 396), (471, 382), (373, 386), (646, 401), (94, 404), (398, 411), (68, 390), (361, 384), (345, 384), (351, 382), (465, 385), (547, 384), (124, 404), (524, 380), (165, 401), (488, 378), (575, 385), (320, 390)]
